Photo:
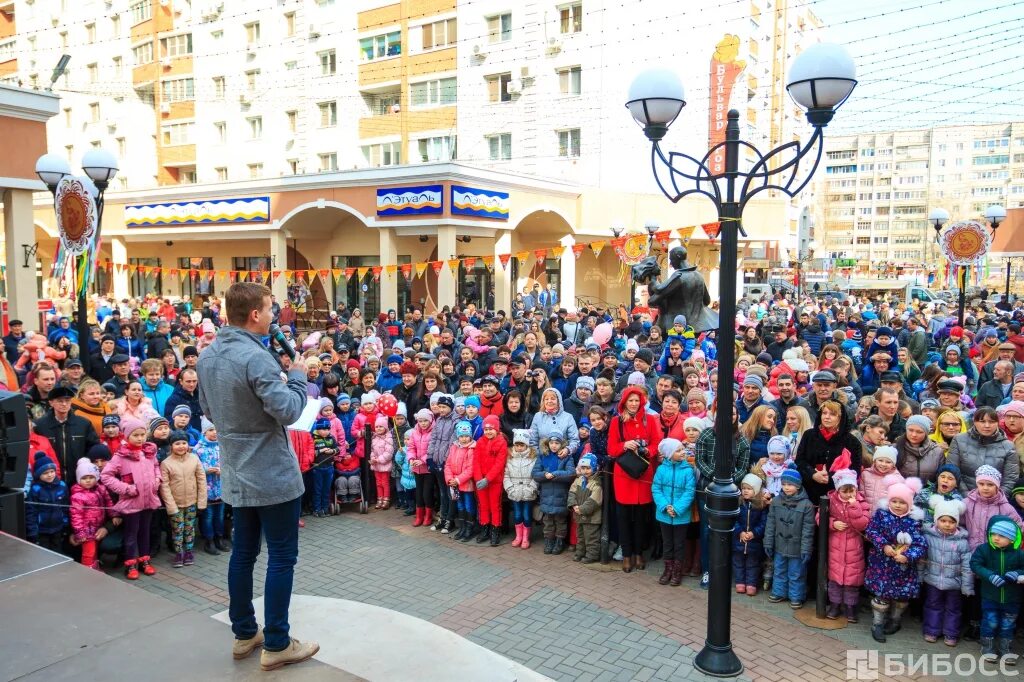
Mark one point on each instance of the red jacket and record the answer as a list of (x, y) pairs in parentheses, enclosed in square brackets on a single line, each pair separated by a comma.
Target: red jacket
[(489, 460), (302, 443), (673, 429), (643, 426)]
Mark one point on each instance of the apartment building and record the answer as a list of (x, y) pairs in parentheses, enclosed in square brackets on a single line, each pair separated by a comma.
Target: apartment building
[(878, 188)]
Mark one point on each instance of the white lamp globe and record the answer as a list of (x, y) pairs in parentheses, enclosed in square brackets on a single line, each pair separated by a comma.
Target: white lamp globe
[(100, 165), (995, 213), (51, 168), (656, 97), (822, 77), (938, 216)]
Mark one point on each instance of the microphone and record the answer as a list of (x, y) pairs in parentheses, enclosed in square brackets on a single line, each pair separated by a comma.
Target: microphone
[(278, 336)]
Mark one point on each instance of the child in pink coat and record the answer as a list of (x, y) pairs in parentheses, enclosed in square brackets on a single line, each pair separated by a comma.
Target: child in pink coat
[(984, 502), (366, 417), (875, 481), (458, 474), (417, 456), (382, 454), (133, 474), (91, 506), (848, 515)]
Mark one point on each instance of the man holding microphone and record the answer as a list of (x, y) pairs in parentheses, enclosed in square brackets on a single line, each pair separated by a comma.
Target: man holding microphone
[(244, 392)]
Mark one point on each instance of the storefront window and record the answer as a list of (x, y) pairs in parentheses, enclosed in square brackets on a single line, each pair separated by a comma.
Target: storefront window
[(365, 294), (142, 284), (195, 286)]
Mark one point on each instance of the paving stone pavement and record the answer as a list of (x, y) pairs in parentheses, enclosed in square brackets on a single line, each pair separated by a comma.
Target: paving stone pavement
[(565, 620)]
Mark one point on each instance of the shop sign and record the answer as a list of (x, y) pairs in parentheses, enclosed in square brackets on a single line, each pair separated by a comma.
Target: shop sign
[(243, 210), (482, 203), (403, 201)]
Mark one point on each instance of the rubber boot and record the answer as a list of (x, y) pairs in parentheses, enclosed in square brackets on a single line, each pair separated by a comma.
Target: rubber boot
[(988, 648), (428, 518), (460, 521), (677, 574), (666, 574), (526, 537), (484, 535), (559, 546), (879, 614), (895, 622), (420, 513), (519, 535)]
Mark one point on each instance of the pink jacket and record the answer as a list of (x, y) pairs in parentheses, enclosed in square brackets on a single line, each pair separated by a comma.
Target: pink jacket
[(460, 466), (873, 485), (470, 341), (359, 423), (338, 431), (382, 452), (89, 510), (417, 450), (979, 511), (846, 547), (134, 475)]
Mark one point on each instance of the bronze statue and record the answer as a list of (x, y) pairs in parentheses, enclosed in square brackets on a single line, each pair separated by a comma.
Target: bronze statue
[(682, 293)]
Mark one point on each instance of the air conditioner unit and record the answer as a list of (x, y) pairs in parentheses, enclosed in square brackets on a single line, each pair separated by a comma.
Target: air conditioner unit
[(165, 108), (480, 50), (515, 86), (166, 62), (554, 45)]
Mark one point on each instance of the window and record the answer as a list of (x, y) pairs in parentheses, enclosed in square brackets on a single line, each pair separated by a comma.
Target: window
[(216, 35), (143, 54), (255, 127), (386, 154), (500, 146), (187, 176), (94, 72), (377, 47), (328, 114), (293, 166), (177, 133), (569, 143), (439, 34), (840, 156), (195, 286), (289, 24), (497, 87), (992, 144), (122, 148), (94, 112), (176, 46), (499, 28), (291, 65), (293, 120), (250, 79), (571, 18), (863, 240), (840, 170), (141, 283), (328, 63), (219, 87), (90, 35), (222, 173), (435, 149), (118, 66), (569, 80), (220, 128), (115, 25), (255, 171), (328, 162), (385, 103), (7, 49), (994, 160), (179, 90), (251, 263), (252, 32), (433, 93), (141, 11)]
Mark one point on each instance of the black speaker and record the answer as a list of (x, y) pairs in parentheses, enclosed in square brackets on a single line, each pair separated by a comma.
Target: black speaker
[(13, 440), (12, 512)]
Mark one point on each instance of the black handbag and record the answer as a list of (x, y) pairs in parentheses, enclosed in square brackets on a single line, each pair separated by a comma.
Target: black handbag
[(630, 461)]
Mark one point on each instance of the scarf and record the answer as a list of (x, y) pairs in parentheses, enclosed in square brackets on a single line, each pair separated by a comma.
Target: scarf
[(828, 434)]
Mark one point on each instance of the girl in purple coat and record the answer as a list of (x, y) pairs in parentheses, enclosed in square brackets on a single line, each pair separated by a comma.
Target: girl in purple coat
[(848, 516), (897, 544)]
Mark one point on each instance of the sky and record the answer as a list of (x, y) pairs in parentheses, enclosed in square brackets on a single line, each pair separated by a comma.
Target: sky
[(923, 63)]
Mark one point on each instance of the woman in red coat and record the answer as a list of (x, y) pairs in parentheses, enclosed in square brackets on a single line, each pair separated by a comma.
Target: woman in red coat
[(629, 430), (489, 474)]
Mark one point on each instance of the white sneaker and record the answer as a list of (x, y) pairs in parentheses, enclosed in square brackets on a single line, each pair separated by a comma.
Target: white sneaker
[(618, 555)]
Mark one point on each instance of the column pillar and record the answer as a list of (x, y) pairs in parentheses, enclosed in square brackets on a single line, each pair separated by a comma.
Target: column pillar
[(502, 275), (279, 261), (567, 291), (389, 283), (445, 279), (19, 228), (119, 256)]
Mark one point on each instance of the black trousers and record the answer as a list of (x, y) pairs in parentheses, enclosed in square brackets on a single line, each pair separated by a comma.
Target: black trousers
[(673, 540), (425, 490), (634, 527)]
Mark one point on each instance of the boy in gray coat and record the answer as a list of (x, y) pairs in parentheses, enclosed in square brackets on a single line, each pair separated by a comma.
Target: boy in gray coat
[(788, 540), (947, 572)]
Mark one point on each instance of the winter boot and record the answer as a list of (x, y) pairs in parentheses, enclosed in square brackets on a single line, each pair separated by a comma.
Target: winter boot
[(484, 535), (666, 574), (189, 560), (526, 537), (851, 613), (222, 543), (420, 513), (146, 567), (428, 518), (179, 560), (460, 521), (895, 621), (833, 612), (519, 535), (879, 614), (695, 570), (495, 536), (677, 574), (549, 545), (973, 632), (471, 528), (209, 548), (130, 570), (559, 546), (988, 648)]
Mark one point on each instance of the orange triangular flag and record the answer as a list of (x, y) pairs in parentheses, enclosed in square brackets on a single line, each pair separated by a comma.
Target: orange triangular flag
[(361, 272), (577, 249), (349, 272), (243, 275), (312, 275), (233, 275), (556, 251), (712, 229), (685, 232), (488, 262), (598, 246), (406, 269), (132, 267), (521, 256), (453, 263), (325, 275), (504, 258), (663, 236), (421, 268), (276, 274), (469, 263), (376, 270), (437, 265), (541, 254)]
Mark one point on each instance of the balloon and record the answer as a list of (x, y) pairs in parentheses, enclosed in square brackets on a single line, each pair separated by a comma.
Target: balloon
[(387, 405), (602, 333)]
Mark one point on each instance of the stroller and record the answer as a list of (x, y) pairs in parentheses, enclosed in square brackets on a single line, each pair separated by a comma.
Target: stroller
[(354, 487)]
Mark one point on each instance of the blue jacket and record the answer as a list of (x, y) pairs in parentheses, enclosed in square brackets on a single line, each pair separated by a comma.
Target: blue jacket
[(561, 421), (46, 520), (675, 483), (179, 396), (158, 396), (753, 520), (387, 380), (554, 493), (743, 412), (130, 347)]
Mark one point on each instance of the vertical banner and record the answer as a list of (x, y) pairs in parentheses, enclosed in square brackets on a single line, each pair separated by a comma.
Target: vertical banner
[(725, 69)]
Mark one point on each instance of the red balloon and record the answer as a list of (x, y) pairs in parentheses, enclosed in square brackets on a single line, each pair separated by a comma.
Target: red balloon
[(387, 405)]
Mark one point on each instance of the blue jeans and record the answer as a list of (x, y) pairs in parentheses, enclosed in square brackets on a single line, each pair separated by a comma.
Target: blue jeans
[(467, 503), (790, 579), (323, 477), (279, 524), (998, 620), (213, 520), (522, 512)]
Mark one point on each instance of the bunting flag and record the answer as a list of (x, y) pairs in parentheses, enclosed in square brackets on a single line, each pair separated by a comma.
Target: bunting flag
[(541, 255), (469, 263), (336, 273), (577, 249), (521, 256), (421, 269), (437, 265), (598, 247), (324, 275), (685, 233), (406, 269), (557, 251), (391, 270), (663, 237), (712, 230), (453, 264), (376, 270), (361, 273), (488, 262), (504, 258), (276, 274)]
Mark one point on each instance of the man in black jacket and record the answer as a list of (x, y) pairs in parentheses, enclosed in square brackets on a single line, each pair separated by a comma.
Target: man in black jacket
[(158, 341), (70, 435), (101, 363), (13, 340)]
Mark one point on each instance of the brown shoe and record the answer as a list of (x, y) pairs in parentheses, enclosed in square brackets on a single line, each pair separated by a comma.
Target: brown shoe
[(677, 574), (243, 647), (666, 574), (295, 652), (639, 562), (627, 564)]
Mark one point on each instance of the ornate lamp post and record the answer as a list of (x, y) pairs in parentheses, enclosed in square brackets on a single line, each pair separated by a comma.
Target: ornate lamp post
[(100, 166), (996, 214), (820, 80)]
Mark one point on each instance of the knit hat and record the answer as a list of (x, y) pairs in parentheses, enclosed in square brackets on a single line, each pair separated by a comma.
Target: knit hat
[(764, 359), (521, 436), (1015, 406), (367, 399), (176, 435), (798, 365), (42, 464), (679, 320), (779, 445), (424, 413), (344, 398), (84, 468), (460, 401), (394, 359), (181, 409), (923, 422), (588, 460), (791, 475), (473, 401), (586, 382), (631, 345), (403, 410), (446, 400), (492, 421), (111, 420), (854, 334), (555, 434), (884, 331), (636, 379), (696, 394), (321, 424), (667, 446), (189, 351), (155, 423), (753, 380), (326, 402), (1004, 528), (381, 420), (694, 423), (956, 331), (844, 477), (790, 354), (129, 424), (929, 403), (988, 473), (645, 355), (408, 367), (951, 469), (205, 425), (903, 491), (943, 507), (463, 428), (885, 452), (952, 348), (754, 481)]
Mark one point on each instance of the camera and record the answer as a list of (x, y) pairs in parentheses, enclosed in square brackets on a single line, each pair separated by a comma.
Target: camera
[(643, 450)]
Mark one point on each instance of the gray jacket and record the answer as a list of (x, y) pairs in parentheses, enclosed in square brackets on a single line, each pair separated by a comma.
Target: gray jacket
[(949, 561), (242, 391), (970, 450), (790, 528)]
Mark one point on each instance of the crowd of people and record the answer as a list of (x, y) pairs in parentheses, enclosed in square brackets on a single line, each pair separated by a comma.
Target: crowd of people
[(476, 423)]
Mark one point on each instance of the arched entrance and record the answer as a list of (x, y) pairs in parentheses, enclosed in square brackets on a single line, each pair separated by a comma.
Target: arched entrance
[(540, 229)]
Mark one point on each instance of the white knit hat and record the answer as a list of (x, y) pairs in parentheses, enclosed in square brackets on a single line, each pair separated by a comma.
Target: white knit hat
[(944, 507)]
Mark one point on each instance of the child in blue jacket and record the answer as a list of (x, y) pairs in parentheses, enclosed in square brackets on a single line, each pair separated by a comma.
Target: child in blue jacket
[(673, 490), (554, 475), (46, 506), (748, 536)]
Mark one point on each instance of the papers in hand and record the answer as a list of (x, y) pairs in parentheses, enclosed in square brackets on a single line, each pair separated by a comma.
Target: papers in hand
[(308, 416)]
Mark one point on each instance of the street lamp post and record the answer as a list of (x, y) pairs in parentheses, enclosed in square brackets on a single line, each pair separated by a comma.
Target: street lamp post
[(820, 80), (100, 166), (994, 214)]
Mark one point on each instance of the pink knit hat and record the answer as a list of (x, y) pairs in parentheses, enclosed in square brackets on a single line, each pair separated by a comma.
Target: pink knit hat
[(1015, 406), (988, 473), (129, 424), (84, 468), (904, 491)]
